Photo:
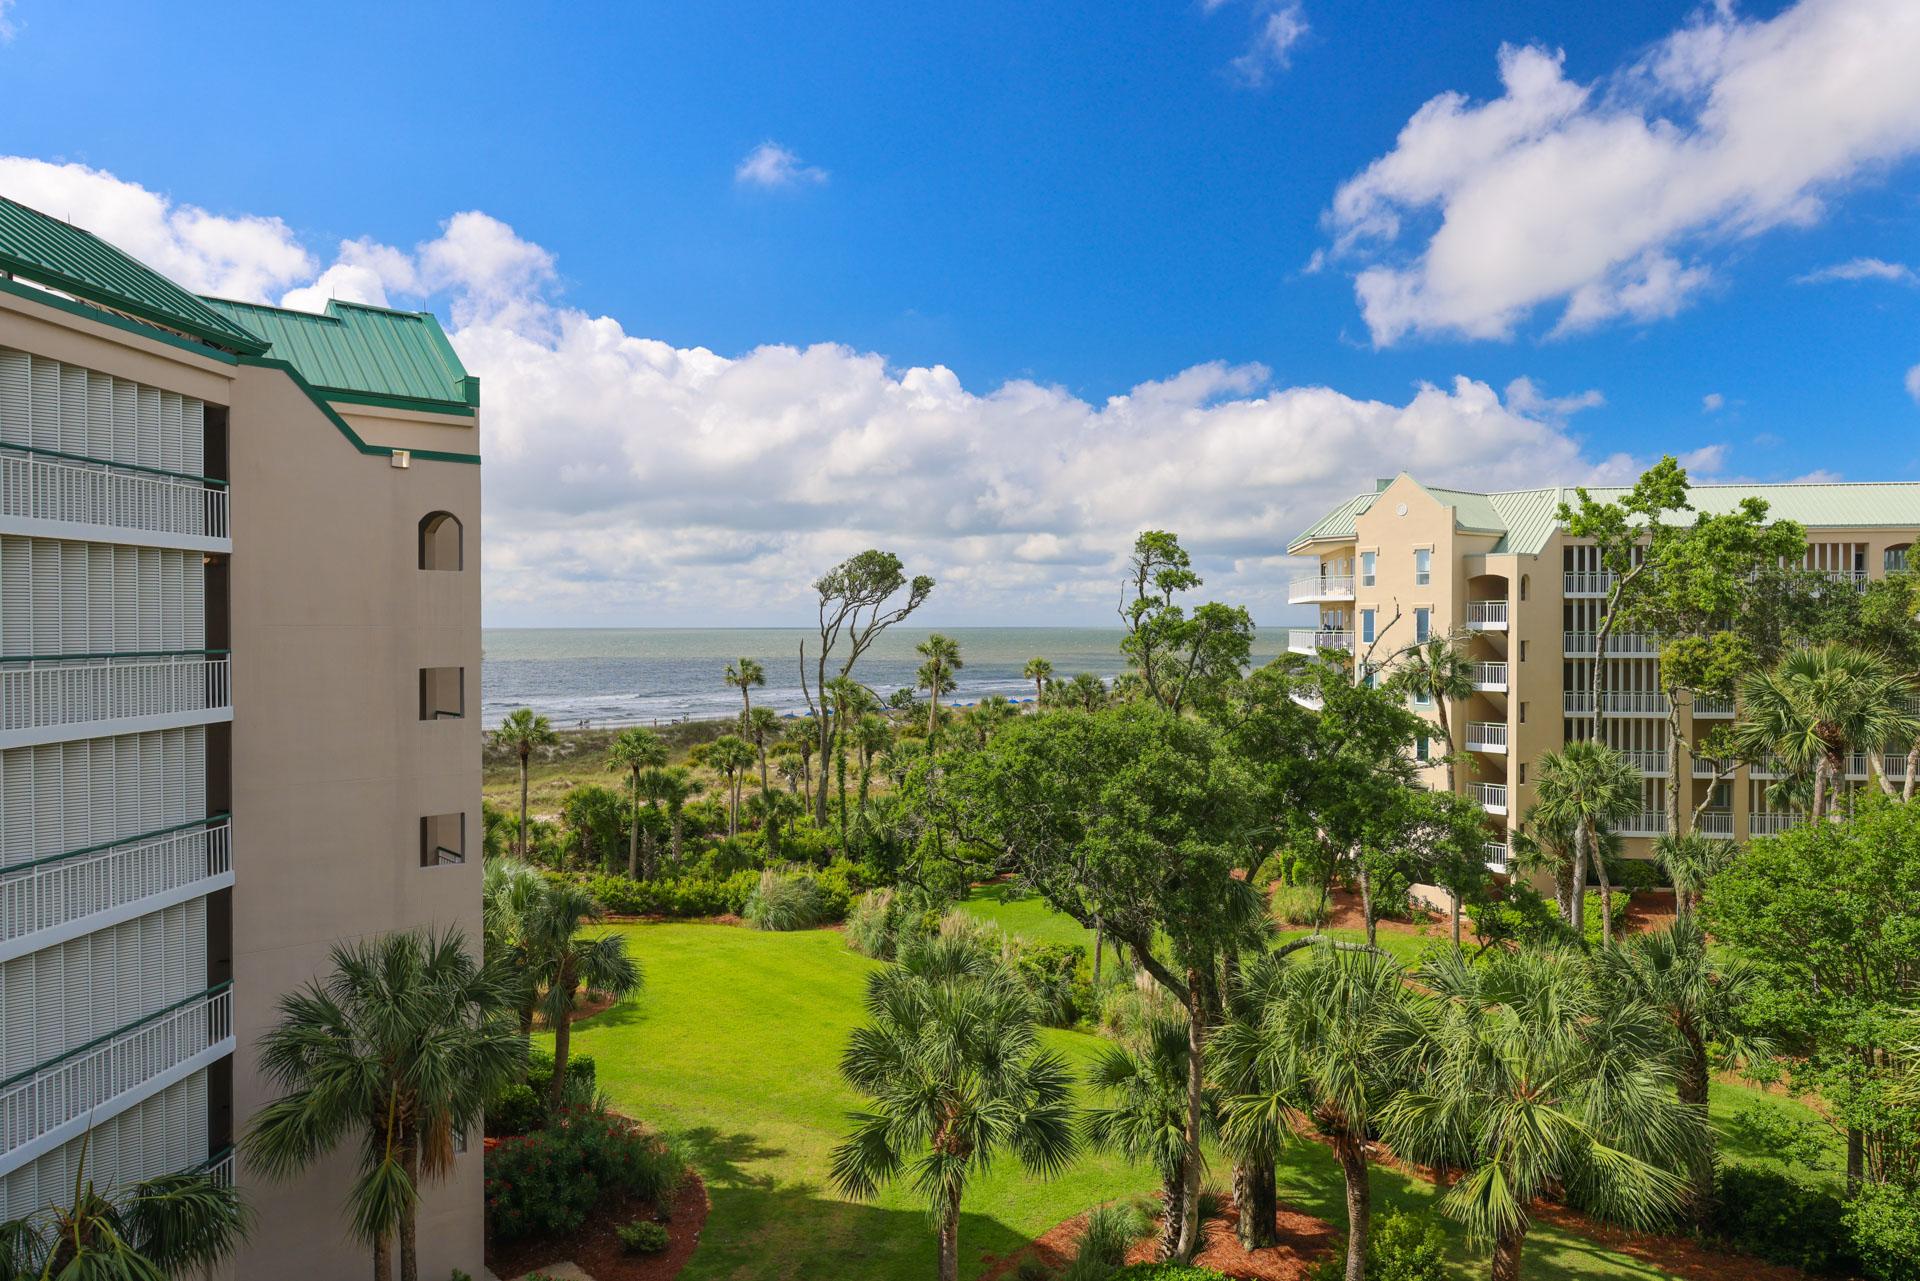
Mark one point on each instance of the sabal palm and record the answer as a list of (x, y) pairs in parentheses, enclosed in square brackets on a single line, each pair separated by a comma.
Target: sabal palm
[(1311, 1041), (1586, 788), (731, 755), (671, 788), (872, 735), (1437, 671), (401, 1044), (936, 674), (951, 1058), (1531, 1080), (172, 1225), (635, 751), (1038, 670), (521, 732), (1142, 1115), (1690, 860), (1701, 999), (509, 889), (560, 956), (1085, 691), (761, 726), (743, 675), (1819, 704)]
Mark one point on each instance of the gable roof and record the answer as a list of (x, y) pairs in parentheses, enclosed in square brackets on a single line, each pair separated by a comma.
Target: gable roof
[(1525, 518), (74, 261), (353, 351)]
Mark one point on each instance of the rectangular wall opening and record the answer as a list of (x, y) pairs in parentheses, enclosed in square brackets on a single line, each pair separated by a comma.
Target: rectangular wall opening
[(443, 840), (443, 693)]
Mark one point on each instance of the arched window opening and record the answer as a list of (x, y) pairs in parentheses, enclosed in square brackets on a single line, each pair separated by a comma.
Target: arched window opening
[(440, 542), (1523, 587)]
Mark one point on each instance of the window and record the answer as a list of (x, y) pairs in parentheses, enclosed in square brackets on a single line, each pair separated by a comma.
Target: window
[(1422, 566), (440, 542), (1523, 587), (443, 839), (1523, 771), (1523, 651), (443, 693), (1420, 748), (1366, 568), (1422, 625), (1523, 713), (1366, 626)]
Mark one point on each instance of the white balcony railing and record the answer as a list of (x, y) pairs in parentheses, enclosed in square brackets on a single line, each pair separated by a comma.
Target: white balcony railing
[(1596, 583), (1653, 764), (1496, 854), (219, 1168), (1708, 705), (1772, 824), (69, 490), (1645, 823), (1331, 640), (1716, 823), (1619, 644), (1487, 615), (1579, 702), (68, 1087), (1486, 736), (1490, 676), (1894, 766), (73, 689), (51, 892), (1492, 796), (1320, 587), (1707, 767)]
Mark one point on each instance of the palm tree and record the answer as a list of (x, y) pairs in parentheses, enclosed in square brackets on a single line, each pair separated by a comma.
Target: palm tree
[(167, 1226), (1085, 691), (872, 735), (672, 788), (635, 751), (1309, 1043), (1438, 671), (731, 755), (1584, 788), (773, 809), (1690, 861), (508, 890), (1530, 1079), (761, 726), (521, 732), (560, 958), (400, 1045), (743, 675), (1143, 1115), (951, 1058), (804, 735), (1818, 705), (1700, 998), (936, 674), (988, 715), (1038, 670)]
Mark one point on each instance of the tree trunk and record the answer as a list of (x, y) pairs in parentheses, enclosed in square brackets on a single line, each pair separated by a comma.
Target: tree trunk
[(1353, 1166), (410, 1209), (523, 804), (1817, 810), (840, 769), (950, 1240), (1189, 1242), (1256, 1200), (383, 1259), (562, 1041), (1606, 896), (1913, 771), (1506, 1254), (1856, 1159), (1446, 733), (1173, 1212), (761, 747), (1692, 1091), (633, 833), (1366, 899), (1455, 896), (679, 821), (1670, 786), (1577, 898), (1099, 946)]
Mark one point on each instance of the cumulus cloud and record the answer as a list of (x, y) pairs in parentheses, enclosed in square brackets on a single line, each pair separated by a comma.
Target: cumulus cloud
[(8, 27), (1279, 28), (1861, 269), (1712, 403), (772, 165), (1612, 198), (632, 481)]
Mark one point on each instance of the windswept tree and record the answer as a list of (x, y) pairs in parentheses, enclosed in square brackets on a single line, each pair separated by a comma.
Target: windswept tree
[(1818, 706), (1039, 671), (561, 955), (743, 674), (950, 1058), (1587, 788), (942, 655), (397, 1047), (858, 600), (520, 733), (634, 751), (1182, 659)]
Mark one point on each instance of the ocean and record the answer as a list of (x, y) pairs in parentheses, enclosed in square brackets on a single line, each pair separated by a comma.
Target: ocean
[(642, 676)]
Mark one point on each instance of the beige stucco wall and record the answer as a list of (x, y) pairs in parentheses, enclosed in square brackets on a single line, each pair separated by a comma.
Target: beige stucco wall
[(332, 770)]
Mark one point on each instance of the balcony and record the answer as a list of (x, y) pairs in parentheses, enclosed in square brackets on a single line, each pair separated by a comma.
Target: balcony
[(1705, 706), (1486, 616), (1579, 702), (1619, 645), (1495, 852), (49, 900), (1597, 583), (1319, 587), (1707, 767), (1772, 824), (64, 696), (1486, 736), (1302, 641), (1645, 823), (1716, 823), (64, 1096), (48, 494), (1651, 764), (1490, 677), (1492, 796)]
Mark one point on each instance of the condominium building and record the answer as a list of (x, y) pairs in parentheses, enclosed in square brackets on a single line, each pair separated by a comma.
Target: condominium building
[(239, 630), (1408, 561)]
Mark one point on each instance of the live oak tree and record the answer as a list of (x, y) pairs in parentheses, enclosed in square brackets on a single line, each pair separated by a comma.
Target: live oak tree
[(1182, 659)]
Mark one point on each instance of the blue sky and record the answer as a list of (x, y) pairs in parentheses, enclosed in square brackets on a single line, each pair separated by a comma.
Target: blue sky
[(1081, 198)]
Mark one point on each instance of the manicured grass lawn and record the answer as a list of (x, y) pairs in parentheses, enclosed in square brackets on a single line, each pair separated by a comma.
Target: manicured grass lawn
[(1726, 1101), (734, 1046)]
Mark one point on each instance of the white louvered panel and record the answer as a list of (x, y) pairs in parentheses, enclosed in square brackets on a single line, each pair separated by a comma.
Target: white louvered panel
[(173, 589), (160, 1135), (147, 440), (16, 397), (194, 459), (194, 795), (126, 421), (76, 635), (76, 780), (16, 605), (72, 427), (126, 599), (153, 784), (173, 431), (103, 815), (45, 597), (100, 598), (195, 597), (16, 802), (46, 403), (151, 637), (99, 415), (109, 960), (48, 800)]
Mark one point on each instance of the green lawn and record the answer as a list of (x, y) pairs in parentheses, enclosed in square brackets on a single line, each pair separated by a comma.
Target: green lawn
[(733, 1045)]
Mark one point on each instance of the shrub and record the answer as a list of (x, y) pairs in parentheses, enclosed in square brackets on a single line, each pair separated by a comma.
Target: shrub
[(1591, 918), (1059, 979), (1406, 1247), (643, 1236), (1636, 874), (580, 1067), (1298, 905), (1168, 1272), (678, 897), (1031, 1269), (787, 901), (882, 923), (546, 1183), (1520, 915), (1110, 1230), (517, 1109), (1884, 1221), (1789, 1138), (1780, 1219)]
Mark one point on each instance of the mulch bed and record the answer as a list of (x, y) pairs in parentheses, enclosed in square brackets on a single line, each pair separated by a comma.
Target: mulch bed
[(1301, 1241), (596, 1248)]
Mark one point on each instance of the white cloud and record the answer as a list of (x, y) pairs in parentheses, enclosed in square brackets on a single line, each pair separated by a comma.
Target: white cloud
[(1861, 269), (1280, 27), (1611, 198), (1705, 462), (629, 480), (1712, 403), (772, 165), (8, 27), (1913, 384)]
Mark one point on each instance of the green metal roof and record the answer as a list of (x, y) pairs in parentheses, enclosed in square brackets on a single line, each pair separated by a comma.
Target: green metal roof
[(74, 261), (1525, 517), (370, 354)]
